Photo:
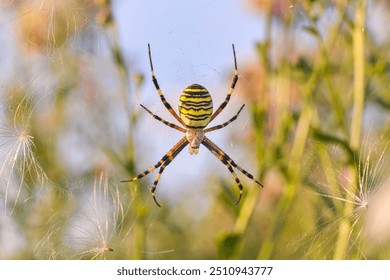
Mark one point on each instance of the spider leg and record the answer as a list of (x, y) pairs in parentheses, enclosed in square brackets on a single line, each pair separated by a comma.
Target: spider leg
[(225, 159), (224, 124), (164, 101), (207, 142), (161, 161), (164, 121), (233, 85), (170, 158), (237, 181)]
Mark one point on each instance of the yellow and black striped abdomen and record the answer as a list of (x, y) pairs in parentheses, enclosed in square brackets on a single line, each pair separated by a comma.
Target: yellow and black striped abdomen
[(195, 107)]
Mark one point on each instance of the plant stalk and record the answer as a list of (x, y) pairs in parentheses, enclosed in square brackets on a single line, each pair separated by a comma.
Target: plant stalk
[(357, 114)]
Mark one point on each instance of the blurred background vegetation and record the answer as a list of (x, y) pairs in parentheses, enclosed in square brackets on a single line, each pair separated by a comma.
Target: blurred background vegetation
[(315, 132)]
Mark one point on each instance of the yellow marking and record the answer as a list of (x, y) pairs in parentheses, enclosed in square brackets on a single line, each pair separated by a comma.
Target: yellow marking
[(185, 98), (186, 106), (196, 90), (195, 123), (196, 113)]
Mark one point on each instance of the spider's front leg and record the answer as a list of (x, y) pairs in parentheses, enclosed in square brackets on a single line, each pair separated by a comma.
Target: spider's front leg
[(231, 89), (159, 91)]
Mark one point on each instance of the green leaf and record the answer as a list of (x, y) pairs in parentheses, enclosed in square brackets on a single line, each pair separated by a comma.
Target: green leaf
[(228, 244)]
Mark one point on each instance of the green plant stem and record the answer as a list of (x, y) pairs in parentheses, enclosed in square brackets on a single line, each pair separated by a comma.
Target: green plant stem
[(293, 175), (358, 102), (289, 193), (246, 211), (359, 81)]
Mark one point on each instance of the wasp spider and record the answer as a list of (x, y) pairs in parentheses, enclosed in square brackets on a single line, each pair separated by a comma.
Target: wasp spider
[(195, 113)]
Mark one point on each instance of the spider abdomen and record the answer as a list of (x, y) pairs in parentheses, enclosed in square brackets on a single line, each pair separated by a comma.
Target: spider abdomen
[(195, 107)]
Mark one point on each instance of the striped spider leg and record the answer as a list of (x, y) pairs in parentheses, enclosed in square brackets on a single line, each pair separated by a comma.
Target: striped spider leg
[(163, 162), (224, 158), (233, 85), (159, 91), (229, 163), (195, 113)]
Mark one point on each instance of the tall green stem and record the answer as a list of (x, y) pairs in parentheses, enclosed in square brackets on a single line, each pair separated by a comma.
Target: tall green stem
[(359, 82), (358, 102)]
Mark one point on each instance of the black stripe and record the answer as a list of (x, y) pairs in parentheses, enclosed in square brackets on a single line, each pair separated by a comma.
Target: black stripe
[(192, 103), (196, 86), (197, 119), (195, 95), (195, 108), (196, 116), (235, 79), (155, 83), (186, 105)]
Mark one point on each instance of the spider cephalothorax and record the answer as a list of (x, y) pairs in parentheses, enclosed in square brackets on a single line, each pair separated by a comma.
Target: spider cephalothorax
[(195, 113)]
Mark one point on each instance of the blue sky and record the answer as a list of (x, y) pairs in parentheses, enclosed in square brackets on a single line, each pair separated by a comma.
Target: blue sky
[(190, 39)]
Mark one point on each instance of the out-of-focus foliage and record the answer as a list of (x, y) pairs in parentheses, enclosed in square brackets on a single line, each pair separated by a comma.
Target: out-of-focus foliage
[(318, 101)]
